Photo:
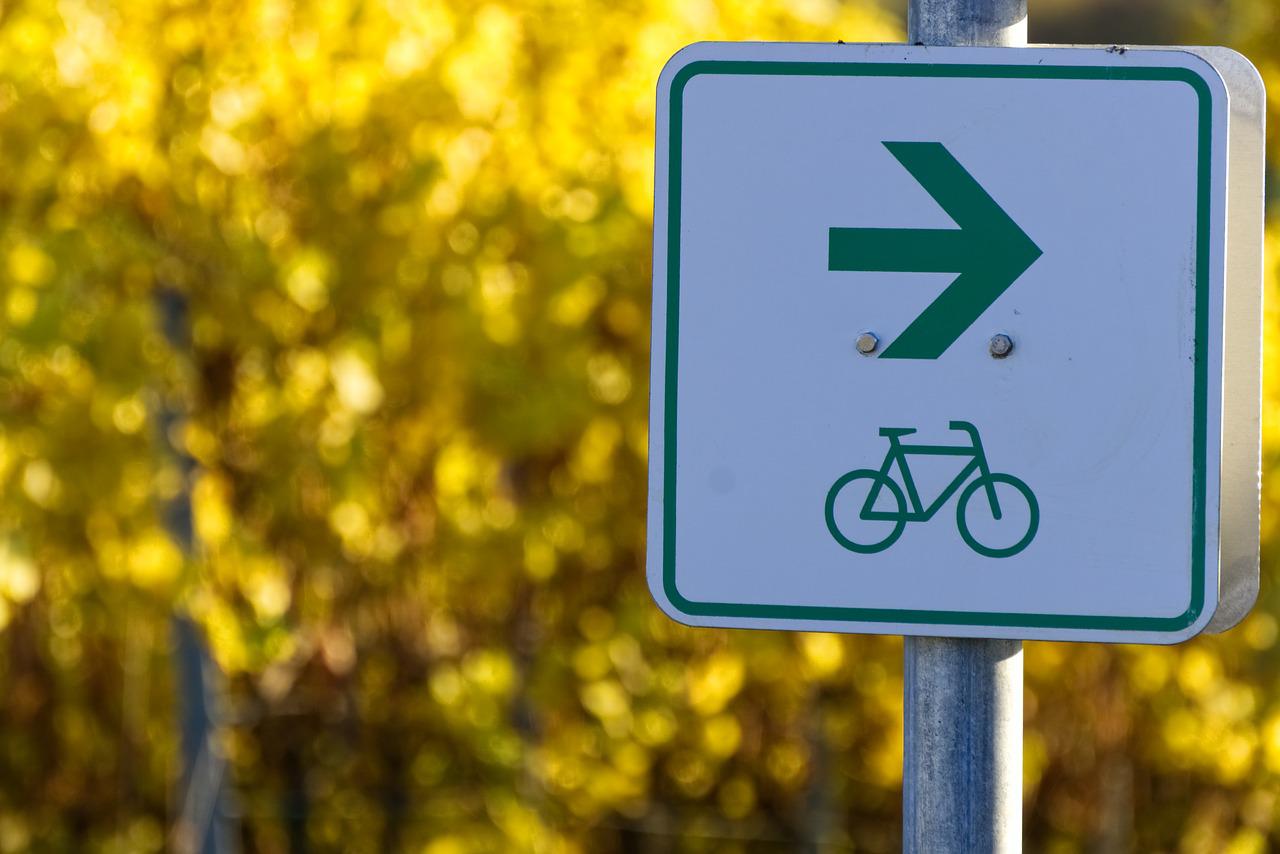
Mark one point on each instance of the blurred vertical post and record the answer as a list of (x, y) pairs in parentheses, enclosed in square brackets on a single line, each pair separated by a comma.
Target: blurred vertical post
[(962, 704), (205, 823)]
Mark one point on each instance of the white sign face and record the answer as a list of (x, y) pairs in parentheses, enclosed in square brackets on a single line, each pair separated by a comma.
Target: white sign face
[(937, 340)]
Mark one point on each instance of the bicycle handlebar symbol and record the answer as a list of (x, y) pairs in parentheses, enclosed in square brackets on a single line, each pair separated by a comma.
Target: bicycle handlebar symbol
[(986, 481)]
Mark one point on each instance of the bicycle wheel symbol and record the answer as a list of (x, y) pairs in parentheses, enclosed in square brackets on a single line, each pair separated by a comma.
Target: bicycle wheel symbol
[(1006, 500), (990, 481), (877, 480)]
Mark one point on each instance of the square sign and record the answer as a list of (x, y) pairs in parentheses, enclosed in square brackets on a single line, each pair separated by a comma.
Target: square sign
[(938, 340)]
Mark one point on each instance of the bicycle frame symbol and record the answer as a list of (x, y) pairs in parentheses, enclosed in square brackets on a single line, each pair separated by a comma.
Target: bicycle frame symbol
[(986, 481)]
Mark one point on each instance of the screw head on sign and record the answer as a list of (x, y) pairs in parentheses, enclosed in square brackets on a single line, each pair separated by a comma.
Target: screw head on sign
[(867, 343), (1001, 345)]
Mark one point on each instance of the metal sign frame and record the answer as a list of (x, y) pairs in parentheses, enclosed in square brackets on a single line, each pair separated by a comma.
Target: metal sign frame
[(1237, 509)]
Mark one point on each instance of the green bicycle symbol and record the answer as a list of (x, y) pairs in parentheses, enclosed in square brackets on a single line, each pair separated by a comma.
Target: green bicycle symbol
[(987, 481)]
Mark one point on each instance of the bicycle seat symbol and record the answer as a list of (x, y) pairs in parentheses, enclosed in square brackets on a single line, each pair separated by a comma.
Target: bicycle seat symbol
[(986, 483)]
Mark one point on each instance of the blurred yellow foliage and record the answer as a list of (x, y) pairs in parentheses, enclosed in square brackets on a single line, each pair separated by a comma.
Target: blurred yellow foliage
[(715, 680)]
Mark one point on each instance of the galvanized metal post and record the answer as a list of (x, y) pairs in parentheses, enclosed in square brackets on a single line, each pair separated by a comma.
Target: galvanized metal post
[(962, 772), (967, 22), (962, 768)]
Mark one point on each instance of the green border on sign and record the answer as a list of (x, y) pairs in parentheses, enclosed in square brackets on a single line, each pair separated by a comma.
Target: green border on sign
[(958, 618)]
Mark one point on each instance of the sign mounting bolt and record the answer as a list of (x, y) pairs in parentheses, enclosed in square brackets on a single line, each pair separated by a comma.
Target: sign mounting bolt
[(867, 343), (1001, 345)]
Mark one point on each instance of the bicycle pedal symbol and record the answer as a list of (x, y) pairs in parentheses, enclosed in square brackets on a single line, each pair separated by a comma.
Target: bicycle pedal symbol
[(985, 483)]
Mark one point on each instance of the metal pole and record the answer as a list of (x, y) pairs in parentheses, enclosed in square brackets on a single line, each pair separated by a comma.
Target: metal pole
[(962, 704), (962, 771), (206, 822), (967, 22)]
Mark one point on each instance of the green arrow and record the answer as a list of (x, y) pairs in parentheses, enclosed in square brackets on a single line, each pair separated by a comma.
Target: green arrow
[(988, 250)]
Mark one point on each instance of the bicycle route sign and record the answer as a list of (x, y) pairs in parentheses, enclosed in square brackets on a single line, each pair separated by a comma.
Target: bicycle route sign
[(956, 341)]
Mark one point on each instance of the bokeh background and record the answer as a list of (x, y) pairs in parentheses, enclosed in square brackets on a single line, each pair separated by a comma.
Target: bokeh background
[(323, 389)]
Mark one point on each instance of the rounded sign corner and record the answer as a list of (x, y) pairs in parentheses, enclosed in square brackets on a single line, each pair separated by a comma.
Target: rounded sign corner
[(666, 596), (672, 75), (1194, 623), (1205, 73)]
